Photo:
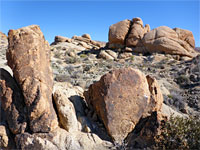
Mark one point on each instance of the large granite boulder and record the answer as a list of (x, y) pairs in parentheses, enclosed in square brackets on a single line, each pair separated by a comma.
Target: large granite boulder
[(166, 40), (66, 111), (12, 102), (121, 98), (185, 35), (28, 56), (136, 33), (118, 33)]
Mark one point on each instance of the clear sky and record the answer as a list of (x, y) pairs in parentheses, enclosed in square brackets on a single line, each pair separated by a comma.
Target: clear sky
[(68, 18)]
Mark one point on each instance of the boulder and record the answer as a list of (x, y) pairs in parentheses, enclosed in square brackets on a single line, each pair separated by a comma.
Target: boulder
[(136, 33), (118, 33), (3, 137), (165, 40), (28, 56), (121, 98), (147, 28), (61, 139), (103, 54), (12, 102), (186, 36), (79, 38), (86, 36), (66, 111), (62, 39)]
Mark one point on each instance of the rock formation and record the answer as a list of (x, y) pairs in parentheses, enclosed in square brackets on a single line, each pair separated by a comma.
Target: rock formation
[(124, 87), (136, 33), (29, 58), (140, 39), (12, 102), (164, 39), (118, 33)]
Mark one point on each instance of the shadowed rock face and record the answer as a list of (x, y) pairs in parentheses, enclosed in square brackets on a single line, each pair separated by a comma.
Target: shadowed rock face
[(29, 58), (12, 103)]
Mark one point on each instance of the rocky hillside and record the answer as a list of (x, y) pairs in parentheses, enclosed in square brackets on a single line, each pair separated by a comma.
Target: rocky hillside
[(81, 94)]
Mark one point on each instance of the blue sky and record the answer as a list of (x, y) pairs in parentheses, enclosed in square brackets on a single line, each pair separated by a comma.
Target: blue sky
[(68, 18)]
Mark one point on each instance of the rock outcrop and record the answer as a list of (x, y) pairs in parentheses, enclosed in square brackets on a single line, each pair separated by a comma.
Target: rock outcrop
[(66, 111), (121, 98), (61, 139), (118, 33), (12, 102), (61, 39), (127, 33), (136, 33), (186, 36), (165, 40), (132, 34), (28, 56)]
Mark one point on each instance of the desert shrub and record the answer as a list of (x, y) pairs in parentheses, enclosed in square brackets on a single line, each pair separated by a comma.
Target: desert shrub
[(179, 133), (83, 55)]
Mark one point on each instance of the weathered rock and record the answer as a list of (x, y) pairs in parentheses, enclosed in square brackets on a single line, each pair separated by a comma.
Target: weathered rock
[(3, 137), (105, 55), (61, 139), (165, 40), (28, 56), (12, 102), (62, 39), (156, 95), (85, 45), (79, 38), (145, 132), (136, 33), (118, 33), (66, 111), (86, 36), (112, 53), (118, 88), (125, 55), (147, 28), (185, 35), (98, 44), (3, 36)]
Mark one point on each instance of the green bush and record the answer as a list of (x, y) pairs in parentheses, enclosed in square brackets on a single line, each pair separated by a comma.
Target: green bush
[(179, 133)]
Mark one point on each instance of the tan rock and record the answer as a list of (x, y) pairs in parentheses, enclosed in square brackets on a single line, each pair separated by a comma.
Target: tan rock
[(156, 95), (86, 36), (125, 55), (119, 98), (136, 33), (61, 139), (29, 58), (165, 40), (185, 35), (66, 111), (105, 55), (12, 102), (112, 53), (62, 39), (85, 45), (79, 38), (118, 32), (3, 137), (98, 44), (147, 28)]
